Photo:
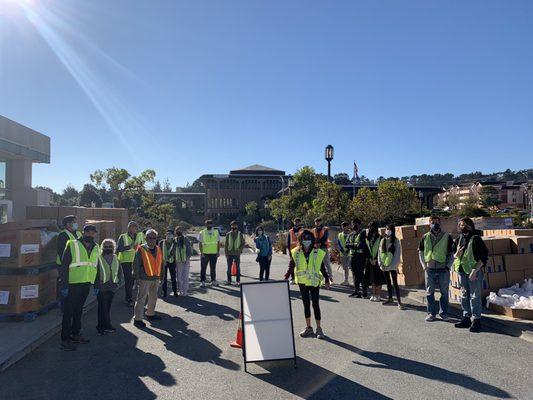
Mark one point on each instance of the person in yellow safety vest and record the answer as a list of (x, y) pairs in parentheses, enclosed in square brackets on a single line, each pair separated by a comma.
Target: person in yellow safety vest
[(183, 253), (322, 242), (388, 259), (78, 271), (307, 264), (209, 239), (356, 242), (169, 262), (127, 243), (436, 257), (148, 271), (471, 256), (377, 278), (69, 232), (292, 239), (233, 250), (109, 279), (344, 252)]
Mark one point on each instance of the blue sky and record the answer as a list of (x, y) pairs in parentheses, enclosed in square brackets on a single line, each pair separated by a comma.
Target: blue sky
[(193, 87)]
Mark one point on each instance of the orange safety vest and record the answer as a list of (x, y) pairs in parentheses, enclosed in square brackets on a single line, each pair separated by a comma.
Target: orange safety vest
[(152, 266), (319, 235), (294, 239)]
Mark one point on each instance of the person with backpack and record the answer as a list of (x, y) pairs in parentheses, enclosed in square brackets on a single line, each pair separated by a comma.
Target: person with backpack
[(263, 245), (388, 260)]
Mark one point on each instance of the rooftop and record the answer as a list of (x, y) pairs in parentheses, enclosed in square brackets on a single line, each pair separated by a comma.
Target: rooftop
[(20, 142)]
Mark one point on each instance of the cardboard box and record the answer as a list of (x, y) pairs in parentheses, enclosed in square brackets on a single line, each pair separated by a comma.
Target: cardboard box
[(521, 244), (498, 245), (27, 293), (20, 248), (514, 277), (455, 294), (495, 264), (409, 255), (518, 262), (454, 280), (512, 312), (405, 232), (407, 268), (497, 280), (421, 230), (411, 279), (528, 273), (410, 244)]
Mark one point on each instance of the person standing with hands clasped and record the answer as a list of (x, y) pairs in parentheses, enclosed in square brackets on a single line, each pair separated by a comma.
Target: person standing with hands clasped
[(147, 270), (233, 249), (471, 256), (307, 264), (264, 253), (169, 262), (344, 252), (373, 241), (209, 239), (436, 256), (388, 260), (109, 279), (356, 242), (126, 246)]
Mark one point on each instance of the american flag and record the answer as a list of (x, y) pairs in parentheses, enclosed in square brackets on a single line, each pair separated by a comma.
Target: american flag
[(355, 171)]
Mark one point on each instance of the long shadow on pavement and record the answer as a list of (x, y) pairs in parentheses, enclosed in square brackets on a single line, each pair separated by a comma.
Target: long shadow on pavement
[(311, 381), (188, 343), (203, 307), (428, 371)]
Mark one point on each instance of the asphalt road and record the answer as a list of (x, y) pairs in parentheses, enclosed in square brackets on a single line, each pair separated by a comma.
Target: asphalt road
[(373, 352)]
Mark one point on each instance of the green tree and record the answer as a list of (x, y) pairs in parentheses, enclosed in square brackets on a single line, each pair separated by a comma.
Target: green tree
[(366, 206), (396, 198), (89, 195), (70, 197), (488, 197), (331, 203), (115, 178), (251, 210)]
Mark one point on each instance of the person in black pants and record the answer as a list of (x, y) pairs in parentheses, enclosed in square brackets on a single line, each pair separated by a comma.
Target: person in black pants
[(388, 260), (307, 264), (356, 243), (264, 256), (109, 279), (168, 249)]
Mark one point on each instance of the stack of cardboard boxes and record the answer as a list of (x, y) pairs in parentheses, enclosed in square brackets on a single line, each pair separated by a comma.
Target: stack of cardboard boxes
[(410, 272)]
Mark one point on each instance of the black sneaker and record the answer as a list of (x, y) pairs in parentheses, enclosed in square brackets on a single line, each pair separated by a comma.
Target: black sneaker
[(100, 332), (130, 303), (110, 330), (465, 323), (164, 294), (176, 294), (139, 323), (78, 339), (153, 318), (387, 302), (355, 294), (67, 345), (476, 326)]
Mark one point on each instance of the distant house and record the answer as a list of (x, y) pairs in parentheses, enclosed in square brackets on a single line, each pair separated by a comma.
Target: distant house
[(510, 194)]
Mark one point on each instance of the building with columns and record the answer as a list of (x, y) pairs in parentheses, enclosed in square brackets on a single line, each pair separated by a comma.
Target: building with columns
[(227, 194)]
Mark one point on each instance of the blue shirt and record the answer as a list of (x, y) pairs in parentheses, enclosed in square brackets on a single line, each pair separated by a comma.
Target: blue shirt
[(264, 245)]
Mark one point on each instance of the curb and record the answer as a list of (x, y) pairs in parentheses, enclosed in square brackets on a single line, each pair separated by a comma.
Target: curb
[(522, 329), (38, 339)]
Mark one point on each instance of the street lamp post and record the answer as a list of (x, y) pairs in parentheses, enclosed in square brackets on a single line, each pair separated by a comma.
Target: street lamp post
[(290, 184), (329, 157), (421, 197)]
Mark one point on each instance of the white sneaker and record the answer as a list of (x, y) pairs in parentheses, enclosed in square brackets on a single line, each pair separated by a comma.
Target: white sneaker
[(430, 318)]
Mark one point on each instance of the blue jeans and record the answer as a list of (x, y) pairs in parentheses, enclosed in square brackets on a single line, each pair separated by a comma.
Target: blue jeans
[(471, 295), (437, 278)]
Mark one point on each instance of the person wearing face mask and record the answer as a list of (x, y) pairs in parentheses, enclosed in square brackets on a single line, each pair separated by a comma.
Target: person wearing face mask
[(107, 282), (69, 232), (322, 242), (471, 256), (356, 242), (263, 245), (388, 260), (209, 239), (373, 240), (148, 271), (436, 256), (183, 253), (233, 250), (344, 252), (78, 271), (307, 264), (169, 261), (126, 246)]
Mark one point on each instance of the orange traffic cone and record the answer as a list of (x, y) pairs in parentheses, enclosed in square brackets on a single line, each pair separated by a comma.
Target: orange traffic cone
[(238, 339), (234, 268)]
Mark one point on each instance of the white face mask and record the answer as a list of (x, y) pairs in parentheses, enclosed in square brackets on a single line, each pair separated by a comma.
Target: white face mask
[(307, 243), (388, 233)]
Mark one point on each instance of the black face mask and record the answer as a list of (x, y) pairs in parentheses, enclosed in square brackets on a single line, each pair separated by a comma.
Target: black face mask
[(234, 228), (465, 230), (107, 251), (88, 239)]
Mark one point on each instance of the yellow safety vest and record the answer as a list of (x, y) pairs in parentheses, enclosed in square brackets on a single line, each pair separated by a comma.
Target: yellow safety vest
[(342, 240), (467, 260), (70, 237), (374, 248), (439, 251), (233, 245), (308, 272), (167, 257), (82, 268), (209, 241), (386, 256), (108, 272), (127, 256), (180, 252)]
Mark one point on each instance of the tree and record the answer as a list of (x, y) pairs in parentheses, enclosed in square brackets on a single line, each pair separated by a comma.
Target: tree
[(89, 195), (167, 188), (157, 187), (70, 196), (396, 198), (488, 197), (366, 206), (331, 203), (115, 178), (251, 210), (342, 179)]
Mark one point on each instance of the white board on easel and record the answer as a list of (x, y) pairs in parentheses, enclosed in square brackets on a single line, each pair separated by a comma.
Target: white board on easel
[(268, 333)]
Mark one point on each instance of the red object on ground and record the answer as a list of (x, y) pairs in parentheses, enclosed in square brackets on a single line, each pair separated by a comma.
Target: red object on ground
[(234, 268), (238, 339)]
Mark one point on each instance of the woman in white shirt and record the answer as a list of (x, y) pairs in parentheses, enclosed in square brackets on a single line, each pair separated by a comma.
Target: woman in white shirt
[(388, 260)]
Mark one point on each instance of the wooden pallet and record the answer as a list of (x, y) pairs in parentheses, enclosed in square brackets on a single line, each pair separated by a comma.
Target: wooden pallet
[(29, 316)]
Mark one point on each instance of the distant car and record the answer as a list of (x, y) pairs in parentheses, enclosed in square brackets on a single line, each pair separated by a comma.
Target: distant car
[(222, 230), (504, 210)]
